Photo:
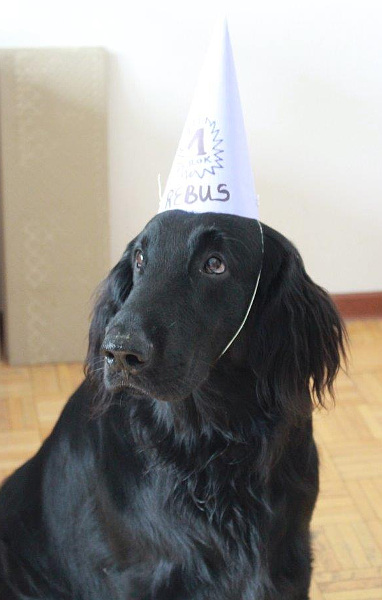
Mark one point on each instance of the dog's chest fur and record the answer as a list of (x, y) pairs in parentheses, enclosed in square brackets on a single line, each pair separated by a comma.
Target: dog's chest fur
[(179, 516)]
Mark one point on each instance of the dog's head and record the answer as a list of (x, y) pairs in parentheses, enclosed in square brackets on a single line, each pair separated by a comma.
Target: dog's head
[(181, 291)]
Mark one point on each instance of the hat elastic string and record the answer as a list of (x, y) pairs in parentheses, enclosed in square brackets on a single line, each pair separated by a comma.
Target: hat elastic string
[(253, 295)]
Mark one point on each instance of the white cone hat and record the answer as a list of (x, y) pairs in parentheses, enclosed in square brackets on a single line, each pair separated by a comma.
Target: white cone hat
[(211, 171)]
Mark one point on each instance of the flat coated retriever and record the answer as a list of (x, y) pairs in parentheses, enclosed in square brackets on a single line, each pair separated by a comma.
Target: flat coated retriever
[(175, 473)]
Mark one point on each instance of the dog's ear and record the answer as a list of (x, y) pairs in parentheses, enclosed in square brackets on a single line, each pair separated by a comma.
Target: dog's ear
[(298, 336), (110, 296)]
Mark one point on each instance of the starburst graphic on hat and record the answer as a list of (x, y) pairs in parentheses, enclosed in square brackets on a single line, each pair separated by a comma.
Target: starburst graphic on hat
[(200, 150)]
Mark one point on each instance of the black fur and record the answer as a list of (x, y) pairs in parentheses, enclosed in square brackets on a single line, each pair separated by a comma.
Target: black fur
[(183, 476)]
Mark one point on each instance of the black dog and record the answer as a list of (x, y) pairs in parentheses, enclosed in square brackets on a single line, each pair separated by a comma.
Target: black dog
[(175, 473)]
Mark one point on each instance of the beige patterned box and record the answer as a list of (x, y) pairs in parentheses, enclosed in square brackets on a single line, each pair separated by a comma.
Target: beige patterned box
[(55, 225)]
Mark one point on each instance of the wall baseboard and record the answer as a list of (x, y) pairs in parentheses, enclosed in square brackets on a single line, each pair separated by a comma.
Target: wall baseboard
[(366, 305)]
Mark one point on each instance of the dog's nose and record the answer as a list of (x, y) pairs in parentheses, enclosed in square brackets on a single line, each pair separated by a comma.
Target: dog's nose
[(128, 352)]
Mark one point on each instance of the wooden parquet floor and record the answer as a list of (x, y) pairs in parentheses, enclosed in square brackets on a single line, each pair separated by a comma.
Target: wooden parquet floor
[(347, 524)]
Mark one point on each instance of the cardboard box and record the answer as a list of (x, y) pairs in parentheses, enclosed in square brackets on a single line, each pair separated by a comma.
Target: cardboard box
[(54, 201)]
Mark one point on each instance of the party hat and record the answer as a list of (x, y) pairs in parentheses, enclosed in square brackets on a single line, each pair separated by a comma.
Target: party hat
[(211, 171)]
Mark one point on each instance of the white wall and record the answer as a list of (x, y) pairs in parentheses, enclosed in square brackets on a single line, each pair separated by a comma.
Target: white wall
[(310, 75)]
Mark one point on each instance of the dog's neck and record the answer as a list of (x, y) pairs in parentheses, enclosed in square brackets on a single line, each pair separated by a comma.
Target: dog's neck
[(223, 418)]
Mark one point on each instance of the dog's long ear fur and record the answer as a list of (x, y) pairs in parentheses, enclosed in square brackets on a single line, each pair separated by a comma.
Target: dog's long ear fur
[(298, 337), (110, 296)]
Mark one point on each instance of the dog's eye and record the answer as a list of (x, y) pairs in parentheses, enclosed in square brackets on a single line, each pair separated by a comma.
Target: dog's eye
[(214, 265), (139, 259)]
